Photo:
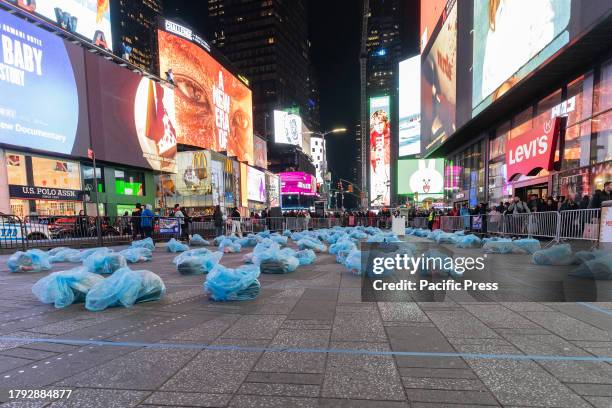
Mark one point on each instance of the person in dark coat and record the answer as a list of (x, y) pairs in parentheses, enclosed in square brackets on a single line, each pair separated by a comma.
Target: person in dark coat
[(584, 203), (136, 214), (218, 220), (601, 195)]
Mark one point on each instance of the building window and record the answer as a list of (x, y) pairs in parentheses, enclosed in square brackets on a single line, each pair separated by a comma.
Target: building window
[(602, 98), (88, 179), (16, 169), (56, 173), (521, 123), (129, 182), (548, 108), (601, 139)]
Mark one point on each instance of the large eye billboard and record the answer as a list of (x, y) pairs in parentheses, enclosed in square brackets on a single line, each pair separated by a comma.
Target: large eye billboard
[(439, 84), (410, 106), (87, 18), (380, 151), (42, 90), (213, 107), (511, 38), (287, 128)]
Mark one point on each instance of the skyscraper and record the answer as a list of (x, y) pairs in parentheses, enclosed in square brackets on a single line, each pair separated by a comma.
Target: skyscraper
[(134, 24), (267, 41)]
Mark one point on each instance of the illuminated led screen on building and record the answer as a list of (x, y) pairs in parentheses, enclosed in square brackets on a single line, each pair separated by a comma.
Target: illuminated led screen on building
[(410, 106), (287, 128), (421, 177), (380, 151)]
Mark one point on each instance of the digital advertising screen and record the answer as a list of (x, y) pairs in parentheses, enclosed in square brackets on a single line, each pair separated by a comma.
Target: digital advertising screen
[(133, 118), (298, 183), (42, 89), (217, 180), (439, 83), (273, 190), (380, 151), (214, 109), (256, 185), (511, 39), (260, 151), (88, 18), (423, 177), (287, 128), (193, 173), (410, 106), (430, 14)]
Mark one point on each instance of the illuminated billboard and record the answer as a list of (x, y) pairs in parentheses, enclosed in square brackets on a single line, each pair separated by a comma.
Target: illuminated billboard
[(193, 173), (430, 14), (42, 90), (287, 128), (256, 185), (424, 178), (273, 190), (380, 151), (298, 183), (213, 107), (410, 106), (260, 152), (511, 39), (439, 84), (87, 18)]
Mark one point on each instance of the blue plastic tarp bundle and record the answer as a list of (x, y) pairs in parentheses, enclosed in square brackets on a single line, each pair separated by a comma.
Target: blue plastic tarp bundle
[(64, 255), (135, 255), (55, 250), (276, 261), (306, 256), (422, 233), (311, 243), (286, 233), (66, 287), (445, 238), (175, 246), (409, 231), (247, 242), (194, 264), (104, 263), (264, 234), (343, 245), (584, 256), (87, 252), (599, 268), (500, 246), (373, 231), (226, 284), (279, 239), (228, 246), (527, 245), (33, 260), (460, 232), (296, 236), (144, 243), (468, 241), (353, 262), (125, 288), (555, 255), (197, 240), (358, 235)]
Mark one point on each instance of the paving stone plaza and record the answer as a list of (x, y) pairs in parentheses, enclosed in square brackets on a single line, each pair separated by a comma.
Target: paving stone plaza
[(308, 340)]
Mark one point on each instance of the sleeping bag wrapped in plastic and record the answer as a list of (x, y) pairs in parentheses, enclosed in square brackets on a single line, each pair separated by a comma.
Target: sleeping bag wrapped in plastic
[(229, 247), (66, 287), (306, 256), (198, 264), (467, 241), (459, 233), (353, 262), (526, 246), (247, 242), (144, 243), (175, 246), (446, 238), (135, 255), (104, 263), (33, 260), (197, 240), (500, 246), (276, 261), (64, 255), (296, 236), (125, 288), (84, 254), (226, 284), (342, 245), (311, 243), (54, 251), (373, 231), (287, 233), (279, 239), (599, 268), (557, 255), (358, 235), (584, 256), (263, 234)]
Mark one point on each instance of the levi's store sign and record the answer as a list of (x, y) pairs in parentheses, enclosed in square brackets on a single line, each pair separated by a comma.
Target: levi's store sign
[(534, 150)]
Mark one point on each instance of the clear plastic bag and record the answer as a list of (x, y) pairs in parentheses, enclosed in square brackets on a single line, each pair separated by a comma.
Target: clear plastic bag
[(125, 288), (175, 246), (194, 264), (279, 239), (66, 287), (599, 269), (468, 241), (227, 284), (584, 256), (557, 255), (247, 242), (33, 260), (358, 235), (144, 243), (276, 261), (228, 246), (104, 263), (500, 246), (306, 256), (135, 255), (197, 240), (526, 246), (343, 245), (64, 255), (309, 243), (286, 233), (87, 252), (353, 262)]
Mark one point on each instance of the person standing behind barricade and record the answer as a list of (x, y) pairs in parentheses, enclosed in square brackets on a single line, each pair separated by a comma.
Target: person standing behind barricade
[(584, 203), (218, 220), (601, 195), (136, 214), (464, 212), (236, 229), (180, 216), (430, 218), (146, 221), (572, 224)]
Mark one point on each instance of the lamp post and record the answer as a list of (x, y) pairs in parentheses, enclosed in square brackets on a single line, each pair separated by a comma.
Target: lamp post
[(324, 163)]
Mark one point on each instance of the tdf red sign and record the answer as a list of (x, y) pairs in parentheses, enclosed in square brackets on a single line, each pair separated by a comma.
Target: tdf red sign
[(533, 150)]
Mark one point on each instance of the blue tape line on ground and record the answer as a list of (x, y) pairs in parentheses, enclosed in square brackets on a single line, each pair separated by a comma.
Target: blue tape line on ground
[(597, 308), (78, 342)]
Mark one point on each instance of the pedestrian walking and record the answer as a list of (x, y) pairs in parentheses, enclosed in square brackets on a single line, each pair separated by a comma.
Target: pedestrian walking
[(218, 220), (236, 223), (146, 221), (136, 214)]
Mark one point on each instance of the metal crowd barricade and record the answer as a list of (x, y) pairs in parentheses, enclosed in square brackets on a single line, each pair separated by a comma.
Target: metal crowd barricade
[(543, 224), (448, 223), (418, 222), (579, 224)]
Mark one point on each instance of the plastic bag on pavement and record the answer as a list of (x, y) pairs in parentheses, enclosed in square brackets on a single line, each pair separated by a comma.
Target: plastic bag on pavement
[(446, 238), (468, 241), (104, 263), (279, 239), (599, 269), (65, 287), (264, 234), (500, 246), (353, 262), (226, 284), (555, 255), (526, 246), (247, 242), (84, 254), (144, 243), (315, 245), (460, 233), (306, 256), (125, 288), (54, 251), (135, 255), (194, 264), (584, 256), (276, 261), (175, 246), (64, 255), (228, 246), (33, 260), (197, 240), (286, 233), (358, 235), (196, 251), (345, 245)]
